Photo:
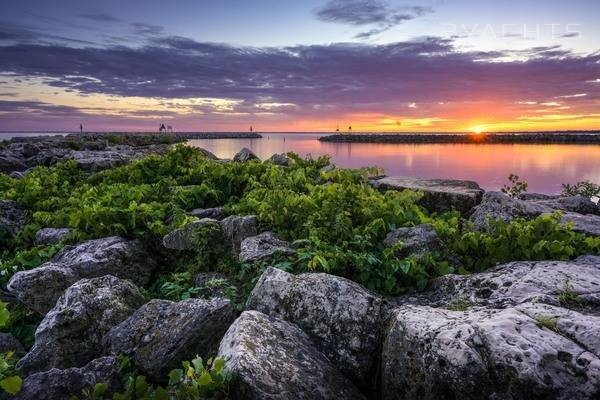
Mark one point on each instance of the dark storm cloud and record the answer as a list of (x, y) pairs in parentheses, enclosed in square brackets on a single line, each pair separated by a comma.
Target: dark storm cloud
[(376, 13), (345, 77)]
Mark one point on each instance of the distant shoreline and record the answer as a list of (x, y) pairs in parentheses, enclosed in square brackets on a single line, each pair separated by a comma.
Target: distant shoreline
[(462, 138), (180, 135)]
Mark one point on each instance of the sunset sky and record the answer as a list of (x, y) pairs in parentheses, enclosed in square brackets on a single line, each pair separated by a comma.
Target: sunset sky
[(311, 65)]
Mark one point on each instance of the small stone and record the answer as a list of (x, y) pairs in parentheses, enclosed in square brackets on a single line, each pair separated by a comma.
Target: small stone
[(236, 228), (265, 245), (49, 236), (215, 213), (415, 240)]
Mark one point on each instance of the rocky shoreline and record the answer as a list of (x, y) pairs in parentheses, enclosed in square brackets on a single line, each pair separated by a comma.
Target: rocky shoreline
[(89, 151), (449, 138), (521, 330)]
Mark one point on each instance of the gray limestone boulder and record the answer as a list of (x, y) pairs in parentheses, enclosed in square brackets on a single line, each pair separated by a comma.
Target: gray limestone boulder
[(62, 384), (520, 330), (227, 233), (263, 246), (342, 318), (586, 224), (244, 154), (9, 163), (273, 359), (216, 213), (279, 159), (49, 236), (515, 283), (12, 218), (439, 195), (236, 228), (415, 240), (162, 334), (207, 154), (71, 334), (10, 343), (490, 353), (40, 287), (499, 206), (191, 235)]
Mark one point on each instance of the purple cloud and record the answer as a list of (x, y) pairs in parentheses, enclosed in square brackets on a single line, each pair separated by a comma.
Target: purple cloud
[(376, 13), (318, 80)]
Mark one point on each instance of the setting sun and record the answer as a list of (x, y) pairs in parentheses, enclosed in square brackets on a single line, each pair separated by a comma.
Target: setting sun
[(478, 130)]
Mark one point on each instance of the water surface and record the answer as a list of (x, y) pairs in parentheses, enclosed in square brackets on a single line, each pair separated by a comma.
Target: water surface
[(544, 167)]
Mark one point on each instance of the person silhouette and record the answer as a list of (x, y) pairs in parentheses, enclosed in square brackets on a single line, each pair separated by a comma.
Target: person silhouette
[(80, 128), (162, 128)]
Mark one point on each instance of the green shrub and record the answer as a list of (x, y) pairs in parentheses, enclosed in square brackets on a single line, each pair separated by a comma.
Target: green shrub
[(516, 186), (583, 188)]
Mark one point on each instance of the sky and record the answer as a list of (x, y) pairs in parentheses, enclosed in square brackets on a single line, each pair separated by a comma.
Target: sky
[(303, 65)]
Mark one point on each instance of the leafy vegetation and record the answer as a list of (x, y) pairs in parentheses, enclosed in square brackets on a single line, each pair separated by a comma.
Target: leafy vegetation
[(197, 380), (335, 218), (10, 382), (543, 238)]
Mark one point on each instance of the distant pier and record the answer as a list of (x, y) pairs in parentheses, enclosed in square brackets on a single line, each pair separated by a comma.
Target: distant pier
[(469, 138)]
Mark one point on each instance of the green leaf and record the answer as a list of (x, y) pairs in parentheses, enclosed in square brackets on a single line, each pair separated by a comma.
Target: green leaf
[(219, 364), (12, 384), (205, 379), (99, 390), (198, 364), (141, 386), (161, 394), (175, 376), (4, 314)]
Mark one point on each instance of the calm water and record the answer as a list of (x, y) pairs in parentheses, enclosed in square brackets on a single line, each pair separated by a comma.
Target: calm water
[(544, 167)]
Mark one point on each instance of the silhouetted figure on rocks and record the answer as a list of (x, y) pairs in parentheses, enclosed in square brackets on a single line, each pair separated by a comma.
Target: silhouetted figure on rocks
[(80, 128), (251, 129), (162, 128)]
